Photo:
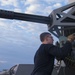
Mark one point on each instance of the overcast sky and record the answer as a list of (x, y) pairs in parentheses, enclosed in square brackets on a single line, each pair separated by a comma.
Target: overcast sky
[(19, 40)]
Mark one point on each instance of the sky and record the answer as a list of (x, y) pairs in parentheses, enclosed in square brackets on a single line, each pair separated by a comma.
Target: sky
[(19, 40)]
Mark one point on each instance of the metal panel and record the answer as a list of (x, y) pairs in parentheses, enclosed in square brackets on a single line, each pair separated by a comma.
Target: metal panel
[(24, 69), (62, 17)]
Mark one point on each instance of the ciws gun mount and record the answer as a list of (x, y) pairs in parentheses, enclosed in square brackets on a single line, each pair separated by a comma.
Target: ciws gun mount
[(61, 22), (58, 21)]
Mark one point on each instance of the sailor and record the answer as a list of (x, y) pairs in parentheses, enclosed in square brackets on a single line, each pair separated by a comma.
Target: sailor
[(46, 53)]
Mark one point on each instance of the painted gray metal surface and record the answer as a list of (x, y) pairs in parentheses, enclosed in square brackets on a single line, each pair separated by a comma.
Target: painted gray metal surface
[(66, 71), (26, 69), (62, 17)]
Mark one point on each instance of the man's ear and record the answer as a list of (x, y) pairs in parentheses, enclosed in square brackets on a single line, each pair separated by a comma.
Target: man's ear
[(46, 38)]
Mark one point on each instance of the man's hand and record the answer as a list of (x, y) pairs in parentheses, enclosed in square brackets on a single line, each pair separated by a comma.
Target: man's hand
[(71, 37)]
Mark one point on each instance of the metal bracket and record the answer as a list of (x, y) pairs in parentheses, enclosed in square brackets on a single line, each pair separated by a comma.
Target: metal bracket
[(61, 18)]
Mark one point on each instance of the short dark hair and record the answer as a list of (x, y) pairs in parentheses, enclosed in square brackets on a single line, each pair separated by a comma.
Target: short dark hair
[(43, 35)]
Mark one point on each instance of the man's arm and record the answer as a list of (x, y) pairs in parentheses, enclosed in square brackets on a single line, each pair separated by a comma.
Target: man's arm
[(61, 52)]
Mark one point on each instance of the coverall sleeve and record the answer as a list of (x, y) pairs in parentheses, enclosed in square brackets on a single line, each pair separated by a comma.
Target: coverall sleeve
[(61, 52)]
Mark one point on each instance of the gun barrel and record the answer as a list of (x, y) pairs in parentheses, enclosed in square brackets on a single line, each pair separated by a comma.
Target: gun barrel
[(25, 17)]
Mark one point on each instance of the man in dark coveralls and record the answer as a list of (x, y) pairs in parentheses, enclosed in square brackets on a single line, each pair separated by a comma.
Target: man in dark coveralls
[(45, 55)]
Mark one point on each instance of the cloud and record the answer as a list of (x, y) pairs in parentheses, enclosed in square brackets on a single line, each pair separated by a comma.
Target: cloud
[(9, 2), (32, 8), (17, 31), (57, 5), (17, 10), (55, 1), (31, 2), (2, 62), (45, 8)]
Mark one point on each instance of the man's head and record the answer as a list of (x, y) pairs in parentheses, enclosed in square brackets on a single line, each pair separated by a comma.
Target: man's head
[(46, 38)]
